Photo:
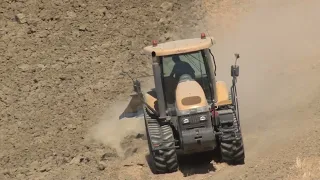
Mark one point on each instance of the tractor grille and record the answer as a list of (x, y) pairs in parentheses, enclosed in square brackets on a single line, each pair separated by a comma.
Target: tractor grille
[(194, 121)]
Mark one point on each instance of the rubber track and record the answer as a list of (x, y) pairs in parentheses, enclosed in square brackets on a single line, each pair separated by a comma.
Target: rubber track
[(164, 161), (232, 149)]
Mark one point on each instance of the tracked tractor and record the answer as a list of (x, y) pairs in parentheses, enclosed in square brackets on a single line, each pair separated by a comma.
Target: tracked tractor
[(189, 111)]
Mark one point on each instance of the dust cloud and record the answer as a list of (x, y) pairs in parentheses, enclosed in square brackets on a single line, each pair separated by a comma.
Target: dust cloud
[(110, 131), (279, 44)]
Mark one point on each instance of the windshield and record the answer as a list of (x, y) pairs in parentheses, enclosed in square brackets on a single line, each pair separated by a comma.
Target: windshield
[(191, 63), (194, 64)]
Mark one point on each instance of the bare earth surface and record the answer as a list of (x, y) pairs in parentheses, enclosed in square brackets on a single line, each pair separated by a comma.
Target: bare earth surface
[(60, 77)]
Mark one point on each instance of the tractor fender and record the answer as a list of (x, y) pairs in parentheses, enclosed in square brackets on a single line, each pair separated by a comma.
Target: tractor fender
[(222, 94), (150, 98)]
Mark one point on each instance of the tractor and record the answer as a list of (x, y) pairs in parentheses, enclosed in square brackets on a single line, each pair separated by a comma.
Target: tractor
[(189, 111)]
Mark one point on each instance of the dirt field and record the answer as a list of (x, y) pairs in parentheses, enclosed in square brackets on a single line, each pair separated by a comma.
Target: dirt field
[(60, 82)]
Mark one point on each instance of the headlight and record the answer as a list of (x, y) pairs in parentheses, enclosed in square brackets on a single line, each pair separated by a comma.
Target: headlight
[(186, 121), (203, 118)]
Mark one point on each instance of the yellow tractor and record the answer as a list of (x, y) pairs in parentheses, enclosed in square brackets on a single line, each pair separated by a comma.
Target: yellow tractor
[(188, 111)]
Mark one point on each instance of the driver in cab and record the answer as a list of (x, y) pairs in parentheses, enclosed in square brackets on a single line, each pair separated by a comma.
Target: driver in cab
[(180, 68)]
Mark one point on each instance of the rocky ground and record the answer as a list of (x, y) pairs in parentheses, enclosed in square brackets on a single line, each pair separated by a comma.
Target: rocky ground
[(61, 81)]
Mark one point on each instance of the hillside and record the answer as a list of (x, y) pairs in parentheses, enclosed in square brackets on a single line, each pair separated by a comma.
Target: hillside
[(60, 68)]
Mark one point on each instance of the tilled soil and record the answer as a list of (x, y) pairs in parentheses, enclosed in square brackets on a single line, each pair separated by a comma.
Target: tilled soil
[(60, 68), (61, 64)]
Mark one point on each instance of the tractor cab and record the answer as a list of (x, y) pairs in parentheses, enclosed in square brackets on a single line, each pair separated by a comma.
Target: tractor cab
[(175, 67), (187, 60), (174, 61)]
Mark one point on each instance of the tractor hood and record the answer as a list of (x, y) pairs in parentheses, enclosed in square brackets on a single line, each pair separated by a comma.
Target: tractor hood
[(189, 94)]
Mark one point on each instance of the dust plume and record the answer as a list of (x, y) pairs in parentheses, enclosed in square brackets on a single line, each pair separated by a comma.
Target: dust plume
[(110, 131), (278, 44)]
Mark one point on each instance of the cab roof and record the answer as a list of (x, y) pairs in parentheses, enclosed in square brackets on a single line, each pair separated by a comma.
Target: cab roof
[(180, 46)]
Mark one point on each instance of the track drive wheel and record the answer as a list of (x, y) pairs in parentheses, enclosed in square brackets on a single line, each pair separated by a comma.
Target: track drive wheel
[(163, 160), (231, 147)]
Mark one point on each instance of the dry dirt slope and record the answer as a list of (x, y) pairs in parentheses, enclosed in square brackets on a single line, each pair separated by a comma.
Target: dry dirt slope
[(60, 65), (59, 70), (278, 87)]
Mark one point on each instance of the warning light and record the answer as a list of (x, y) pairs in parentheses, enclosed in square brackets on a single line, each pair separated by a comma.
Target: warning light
[(203, 35), (154, 43)]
